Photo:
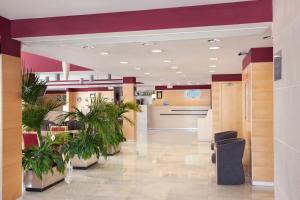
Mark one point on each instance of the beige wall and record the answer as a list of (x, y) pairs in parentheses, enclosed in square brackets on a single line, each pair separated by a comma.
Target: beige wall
[(129, 130), (176, 98), (73, 98), (10, 127), (258, 128), (227, 106)]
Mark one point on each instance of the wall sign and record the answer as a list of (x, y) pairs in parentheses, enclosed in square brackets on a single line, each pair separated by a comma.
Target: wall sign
[(192, 94), (278, 66)]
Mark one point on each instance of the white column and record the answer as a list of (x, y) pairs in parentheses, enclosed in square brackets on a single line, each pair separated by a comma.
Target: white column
[(66, 70)]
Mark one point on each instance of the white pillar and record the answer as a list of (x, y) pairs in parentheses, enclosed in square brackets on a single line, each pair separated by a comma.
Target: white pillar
[(66, 70)]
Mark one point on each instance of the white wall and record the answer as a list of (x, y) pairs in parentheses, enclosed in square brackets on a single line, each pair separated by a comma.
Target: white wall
[(286, 33)]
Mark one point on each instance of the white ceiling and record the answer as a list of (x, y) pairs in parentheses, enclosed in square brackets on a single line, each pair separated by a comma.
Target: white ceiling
[(21, 9), (187, 48)]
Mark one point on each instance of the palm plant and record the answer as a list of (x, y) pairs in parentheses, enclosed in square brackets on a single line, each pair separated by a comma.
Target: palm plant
[(87, 142), (32, 87), (40, 159)]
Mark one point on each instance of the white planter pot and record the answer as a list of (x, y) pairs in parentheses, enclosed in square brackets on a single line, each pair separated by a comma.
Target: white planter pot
[(84, 164), (33, 183), (112, 151)]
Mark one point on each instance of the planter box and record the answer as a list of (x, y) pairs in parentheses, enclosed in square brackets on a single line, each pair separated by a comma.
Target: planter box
[(84, 164), (33, 183), (113, 151)]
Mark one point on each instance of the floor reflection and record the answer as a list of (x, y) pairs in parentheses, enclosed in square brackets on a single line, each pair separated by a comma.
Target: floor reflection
[(161, 165)]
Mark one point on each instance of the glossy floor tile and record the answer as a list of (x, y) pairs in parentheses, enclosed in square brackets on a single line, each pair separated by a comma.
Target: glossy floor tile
[(164, 165)]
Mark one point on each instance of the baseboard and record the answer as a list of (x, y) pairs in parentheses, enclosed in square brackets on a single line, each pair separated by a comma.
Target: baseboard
[(264, 184)]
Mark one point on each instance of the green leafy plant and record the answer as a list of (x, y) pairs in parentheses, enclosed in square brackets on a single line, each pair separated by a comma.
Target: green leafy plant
[(88, 141), (32, 87), (40, 159)]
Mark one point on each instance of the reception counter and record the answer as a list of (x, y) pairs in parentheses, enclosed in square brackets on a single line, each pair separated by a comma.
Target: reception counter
[(175, 117)]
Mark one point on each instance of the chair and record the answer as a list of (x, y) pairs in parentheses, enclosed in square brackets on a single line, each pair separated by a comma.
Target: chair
[(229, 155), (223, 136), (30, 139), (219, 137), (47, 124), (73, 125)]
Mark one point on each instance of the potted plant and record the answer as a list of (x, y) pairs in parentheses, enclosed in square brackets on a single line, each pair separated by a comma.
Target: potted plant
[(116, 113), (86, 147), (44, 164)]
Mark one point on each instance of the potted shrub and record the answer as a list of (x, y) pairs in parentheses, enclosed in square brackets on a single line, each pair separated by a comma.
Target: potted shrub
[(44, 164), (116, 113), (86, 147)]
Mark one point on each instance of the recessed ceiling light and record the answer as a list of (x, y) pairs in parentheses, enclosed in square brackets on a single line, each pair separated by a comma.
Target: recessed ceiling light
[(88, 47), (137, 68), (149, 43), (156, 51), (214, 48), (147, 73), (178, 72), (167, 61), (173, 67), (124, 62), (213, 59), (212, 71), (213, 66), (214, 40), (104, 53)]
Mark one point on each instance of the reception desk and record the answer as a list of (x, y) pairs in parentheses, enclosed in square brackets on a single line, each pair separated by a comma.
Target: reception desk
[(175, 117)]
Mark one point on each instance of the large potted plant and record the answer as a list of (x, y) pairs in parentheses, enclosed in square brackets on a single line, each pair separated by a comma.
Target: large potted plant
[(44, 164), (89, 143), (116, 114)]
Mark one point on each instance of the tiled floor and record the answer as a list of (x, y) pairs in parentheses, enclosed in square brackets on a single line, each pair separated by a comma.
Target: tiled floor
[(161, 166)]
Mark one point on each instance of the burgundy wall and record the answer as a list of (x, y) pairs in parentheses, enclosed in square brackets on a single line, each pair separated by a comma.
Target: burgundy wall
[(7, 45), (181, 17), (88, 89), (256, 55), (226, 77), (183, 87), (129, 80), (43, 64)]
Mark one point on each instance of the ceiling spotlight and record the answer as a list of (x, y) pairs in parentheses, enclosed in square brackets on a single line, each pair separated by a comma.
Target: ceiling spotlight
[(138, 68), (214, 48), (104, 53), (213, 59), (124, 62), (149, 43), (173, 67), (214, 40), (178, 72), (212, 71), (88, 47), (213, 66), (167, 61), (147, 73), (156, 51)]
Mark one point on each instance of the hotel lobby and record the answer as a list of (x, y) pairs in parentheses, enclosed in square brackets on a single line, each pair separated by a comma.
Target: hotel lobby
[(159, 100)]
